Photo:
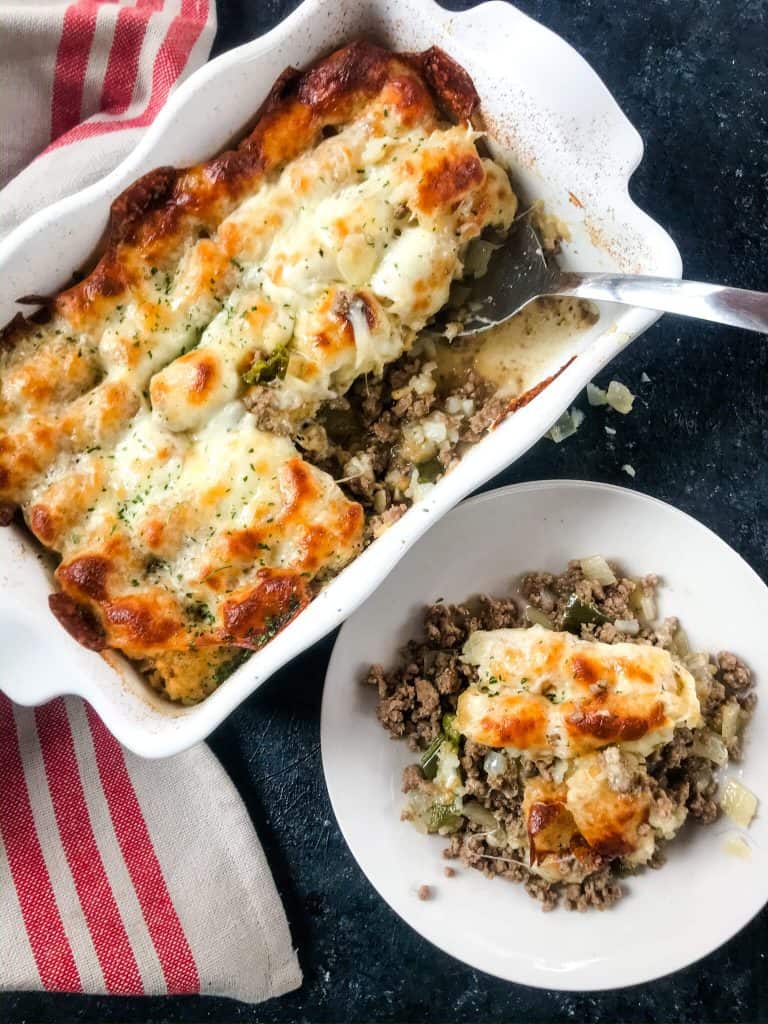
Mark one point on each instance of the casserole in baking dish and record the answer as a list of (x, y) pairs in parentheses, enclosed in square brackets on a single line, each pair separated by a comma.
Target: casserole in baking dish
[(40, 255)]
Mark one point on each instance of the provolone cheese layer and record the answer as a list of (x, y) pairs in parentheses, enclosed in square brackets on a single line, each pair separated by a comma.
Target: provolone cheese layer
[(283, 271), (549, 694), (598, 709), (575, 825)]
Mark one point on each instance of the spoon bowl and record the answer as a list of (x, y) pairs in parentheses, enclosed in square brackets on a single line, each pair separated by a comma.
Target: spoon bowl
[(519, 272)]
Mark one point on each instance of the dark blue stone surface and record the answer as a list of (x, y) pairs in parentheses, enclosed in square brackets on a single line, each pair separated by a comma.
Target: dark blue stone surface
[(692, 76)]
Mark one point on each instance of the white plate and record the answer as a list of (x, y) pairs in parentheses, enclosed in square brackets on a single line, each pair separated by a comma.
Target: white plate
[(565, 136), (669, 918)]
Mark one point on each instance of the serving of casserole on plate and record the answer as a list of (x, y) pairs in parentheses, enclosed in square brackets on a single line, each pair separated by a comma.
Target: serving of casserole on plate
[(247, 388), (564, 737), (566, 728)]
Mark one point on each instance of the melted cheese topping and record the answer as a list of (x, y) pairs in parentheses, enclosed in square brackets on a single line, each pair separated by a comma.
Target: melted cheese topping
[(573, 825), (337, 266), (123, 434), (548, 694), (599, 709), (183, 533)]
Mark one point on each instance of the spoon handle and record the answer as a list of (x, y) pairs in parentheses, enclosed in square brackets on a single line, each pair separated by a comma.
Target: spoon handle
[(733, 306)]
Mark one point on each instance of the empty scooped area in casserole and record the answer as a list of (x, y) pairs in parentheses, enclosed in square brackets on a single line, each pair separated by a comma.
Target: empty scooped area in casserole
[(390, 439)]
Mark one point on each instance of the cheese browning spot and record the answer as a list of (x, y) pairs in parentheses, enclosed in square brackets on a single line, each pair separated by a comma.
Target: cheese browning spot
[(578, 824)]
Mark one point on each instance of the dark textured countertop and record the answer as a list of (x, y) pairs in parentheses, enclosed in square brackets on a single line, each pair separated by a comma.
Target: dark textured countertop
[(692, 76)]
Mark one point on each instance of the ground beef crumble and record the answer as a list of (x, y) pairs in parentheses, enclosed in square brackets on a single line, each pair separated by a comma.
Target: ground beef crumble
[(414, 697), (388, 437), (426, 682)]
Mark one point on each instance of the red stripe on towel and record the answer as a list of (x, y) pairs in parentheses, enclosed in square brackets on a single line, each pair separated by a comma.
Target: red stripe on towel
[(124, 55), (172, 56), (45, 931), (170, 942), (77, 32), (110, 940)]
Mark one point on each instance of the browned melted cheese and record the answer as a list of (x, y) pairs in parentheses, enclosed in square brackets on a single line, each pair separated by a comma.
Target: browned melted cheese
[(327, 238), (596, 709), (576, 825), (544, 693)]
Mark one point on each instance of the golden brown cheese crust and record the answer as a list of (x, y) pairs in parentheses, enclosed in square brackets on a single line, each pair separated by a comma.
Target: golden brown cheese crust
[(609, 821), (549, 824), (575, 825), (148, 575), (240, 582), (546, 693), (149, 216)]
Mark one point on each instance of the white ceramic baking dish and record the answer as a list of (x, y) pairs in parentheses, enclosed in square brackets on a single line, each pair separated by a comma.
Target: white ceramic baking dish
[(570, 145)]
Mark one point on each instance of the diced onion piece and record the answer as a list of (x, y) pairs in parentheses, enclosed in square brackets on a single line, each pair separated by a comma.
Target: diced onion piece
[(709, 745), (434, 428), (681, 642), (648, 607), (596, 395), (629, 469), (536, 617), (698, 664), (629, 626), (697, 660), (566, 426), (731, 725), (739, 803), (479, 815), (737, 846), (419, 805), (495, 763), (596, 568), (448, 774), (619, 397), (562, 429)]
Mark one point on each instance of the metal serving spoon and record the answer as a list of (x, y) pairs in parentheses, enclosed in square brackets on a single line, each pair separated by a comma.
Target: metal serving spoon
[(519, 272)]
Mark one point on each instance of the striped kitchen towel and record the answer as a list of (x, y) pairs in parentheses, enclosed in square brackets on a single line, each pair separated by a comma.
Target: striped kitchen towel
[(117, 875), (79, 84), (120, 875)]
